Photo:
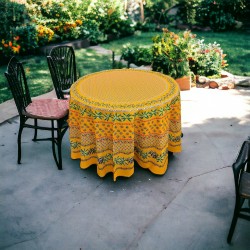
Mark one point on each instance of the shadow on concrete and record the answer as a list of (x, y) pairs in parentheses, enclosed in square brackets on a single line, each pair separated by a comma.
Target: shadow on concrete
[(190, 207)]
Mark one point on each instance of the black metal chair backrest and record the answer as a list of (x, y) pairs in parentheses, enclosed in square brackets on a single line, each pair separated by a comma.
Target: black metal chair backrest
[(241, 179), (18, 84), (62, 66), (242, 163)]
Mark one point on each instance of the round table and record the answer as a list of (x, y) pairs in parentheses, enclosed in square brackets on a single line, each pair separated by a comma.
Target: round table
[(118, 116)]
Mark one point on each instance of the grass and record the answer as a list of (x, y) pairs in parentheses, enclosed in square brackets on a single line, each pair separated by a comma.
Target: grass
[(237, 47), (234, 44), (38, 76)]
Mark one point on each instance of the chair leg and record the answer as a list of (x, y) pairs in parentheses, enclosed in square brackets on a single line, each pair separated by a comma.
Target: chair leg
[(59, 146), (234, 220), (53, 142), (57, 141), (19, 141), (35, 134)]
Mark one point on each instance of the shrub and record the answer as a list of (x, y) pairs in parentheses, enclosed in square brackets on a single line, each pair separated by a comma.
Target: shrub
[(178, 55), (12, 15), (28, 38), (111, 17), (44, 34), (124, 28), (217, 14), (9, 47), (209, 59), (146, 26), (90, 29), (155, 10), (181, 54), (61, 17), (171, 52), (71, 20), (137, 55)]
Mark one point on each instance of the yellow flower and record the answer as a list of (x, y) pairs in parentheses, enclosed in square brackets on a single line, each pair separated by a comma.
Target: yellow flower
[(186, 34), (16, 49), (110, 11), (78, 22)]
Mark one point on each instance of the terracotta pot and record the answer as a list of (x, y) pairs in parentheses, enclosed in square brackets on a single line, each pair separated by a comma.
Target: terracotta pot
[(184, 82)]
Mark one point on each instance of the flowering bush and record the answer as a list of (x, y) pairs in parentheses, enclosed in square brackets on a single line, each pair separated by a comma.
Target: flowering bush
[(44, 34), (209, 59), (9, 47), (178, 55), (61, 19), (171, 52), (68, 30)]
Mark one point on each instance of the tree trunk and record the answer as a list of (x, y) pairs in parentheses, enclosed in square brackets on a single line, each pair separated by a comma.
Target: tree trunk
[(141, 10)]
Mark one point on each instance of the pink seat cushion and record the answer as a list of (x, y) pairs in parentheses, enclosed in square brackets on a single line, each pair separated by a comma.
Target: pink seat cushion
[(47, 109)]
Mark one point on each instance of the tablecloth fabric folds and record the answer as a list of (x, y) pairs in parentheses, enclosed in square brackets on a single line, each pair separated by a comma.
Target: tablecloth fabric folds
[(118, 116)]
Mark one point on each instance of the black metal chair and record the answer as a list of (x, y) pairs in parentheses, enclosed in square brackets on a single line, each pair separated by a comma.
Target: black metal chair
[(241, 170), (62, 66), (52, 110)]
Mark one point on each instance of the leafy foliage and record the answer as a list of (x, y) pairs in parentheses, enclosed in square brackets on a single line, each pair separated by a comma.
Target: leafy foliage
[(38, 23), (156, 10), (171, 52), (209, 59), (177, 55), (138, 55), (217, 14)]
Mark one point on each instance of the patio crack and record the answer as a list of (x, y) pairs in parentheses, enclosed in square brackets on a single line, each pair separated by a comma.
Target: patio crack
[(143, 230)]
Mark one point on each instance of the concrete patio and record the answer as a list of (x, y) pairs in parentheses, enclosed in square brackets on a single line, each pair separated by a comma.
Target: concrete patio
[(190, 207)]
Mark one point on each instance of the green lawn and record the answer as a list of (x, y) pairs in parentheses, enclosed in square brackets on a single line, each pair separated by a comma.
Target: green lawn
[(235, 44), (237, 47)]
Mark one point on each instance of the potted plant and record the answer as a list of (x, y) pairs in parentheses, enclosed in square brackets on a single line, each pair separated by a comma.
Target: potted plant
[(171, 53)]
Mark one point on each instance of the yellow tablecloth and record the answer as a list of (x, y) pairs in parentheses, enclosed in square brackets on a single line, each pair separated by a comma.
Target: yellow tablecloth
[(118, 116)]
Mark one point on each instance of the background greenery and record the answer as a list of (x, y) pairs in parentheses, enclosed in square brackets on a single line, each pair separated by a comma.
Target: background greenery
[(27, 25), (38, 76), (235, 45)]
